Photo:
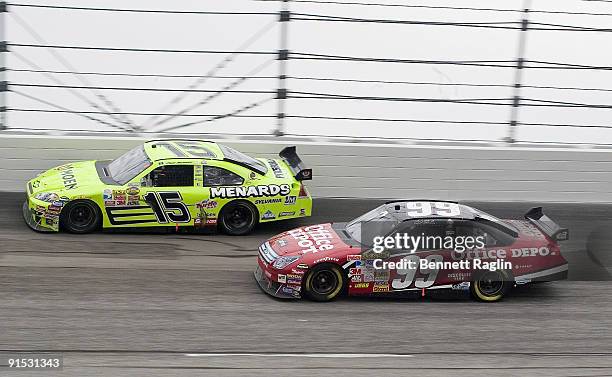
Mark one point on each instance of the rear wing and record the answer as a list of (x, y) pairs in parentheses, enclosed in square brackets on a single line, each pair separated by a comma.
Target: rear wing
[(300, 172), (546, 225)]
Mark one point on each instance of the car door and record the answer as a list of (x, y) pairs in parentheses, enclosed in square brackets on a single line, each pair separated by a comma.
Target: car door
[(425, 241), (169, 190)]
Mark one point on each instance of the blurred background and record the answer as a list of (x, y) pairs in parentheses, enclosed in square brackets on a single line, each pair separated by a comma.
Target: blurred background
[(430, 70)]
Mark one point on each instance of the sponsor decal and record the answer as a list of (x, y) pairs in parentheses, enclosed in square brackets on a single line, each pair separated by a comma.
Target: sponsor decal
[(369, 263), (211, 221), (327, 259), (382, 274), (67, 174), (268, 215), (252, 175), (530, 252), (350, 258), (302, 212), (286, 214), (368, 275), (278, 172), (54, 209), (133, 190), (294, 281), (268, 201), (297, 272), (58, 203), (380, 288), (282, 243), (362, 285), (357, 263), (282, 278), (302, 265), (355, 271), (295, 276), (249, 191), (463, 286), (107, 194), (357, 278), (287, 290), (109, 203), (290, 200), (207, 204), (296, 288), (313, 238)]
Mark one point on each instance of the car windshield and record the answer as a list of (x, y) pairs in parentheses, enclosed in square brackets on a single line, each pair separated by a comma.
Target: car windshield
[(129, 165), (377, 222), (242, 159)]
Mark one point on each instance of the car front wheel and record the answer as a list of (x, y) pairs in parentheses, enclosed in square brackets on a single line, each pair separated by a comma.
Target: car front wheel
[(324, 282), (80, 217)]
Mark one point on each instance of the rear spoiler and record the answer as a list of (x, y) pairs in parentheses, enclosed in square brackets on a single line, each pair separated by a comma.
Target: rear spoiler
[(289, 155), (546, 225)]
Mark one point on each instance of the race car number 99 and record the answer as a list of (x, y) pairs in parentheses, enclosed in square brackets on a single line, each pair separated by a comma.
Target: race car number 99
[(410, 273), (423, 209)]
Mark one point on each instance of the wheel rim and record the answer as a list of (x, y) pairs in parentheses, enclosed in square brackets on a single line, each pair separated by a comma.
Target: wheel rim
[(490, 284), (238, 218), (81, 216), (324, 282)]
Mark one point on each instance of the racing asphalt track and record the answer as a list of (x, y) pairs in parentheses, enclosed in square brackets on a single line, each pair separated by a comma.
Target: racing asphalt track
[(187, 305)]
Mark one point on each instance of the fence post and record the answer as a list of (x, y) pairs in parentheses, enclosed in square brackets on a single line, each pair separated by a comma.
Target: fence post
[(518, 74), (3, 51), (283, 56)]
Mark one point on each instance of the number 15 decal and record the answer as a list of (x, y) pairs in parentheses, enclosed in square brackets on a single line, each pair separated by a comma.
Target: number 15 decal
[(168, 207)]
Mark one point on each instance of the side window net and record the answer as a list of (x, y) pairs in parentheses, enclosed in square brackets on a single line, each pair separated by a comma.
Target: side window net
[(170, 176)]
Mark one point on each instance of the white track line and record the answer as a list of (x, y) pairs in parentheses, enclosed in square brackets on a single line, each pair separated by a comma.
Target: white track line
[(302, 355)]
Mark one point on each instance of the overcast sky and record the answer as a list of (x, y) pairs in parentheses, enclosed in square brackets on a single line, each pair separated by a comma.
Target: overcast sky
[(206, 32)]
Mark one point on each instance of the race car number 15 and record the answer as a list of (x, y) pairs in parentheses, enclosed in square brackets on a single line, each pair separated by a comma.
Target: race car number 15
[(168, 207)]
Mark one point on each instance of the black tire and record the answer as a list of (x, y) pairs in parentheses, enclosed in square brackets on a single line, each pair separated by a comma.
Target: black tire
[(490, 286), (324, 282), (80, 217), (238, 218)]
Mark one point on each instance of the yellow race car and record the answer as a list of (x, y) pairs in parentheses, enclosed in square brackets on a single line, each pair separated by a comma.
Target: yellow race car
[(179, 184)]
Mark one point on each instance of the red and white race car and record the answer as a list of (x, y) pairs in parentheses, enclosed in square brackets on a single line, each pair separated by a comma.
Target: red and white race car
[(413, 246)]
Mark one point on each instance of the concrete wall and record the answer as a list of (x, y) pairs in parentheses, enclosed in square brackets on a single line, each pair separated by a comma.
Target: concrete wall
[(359, 170)]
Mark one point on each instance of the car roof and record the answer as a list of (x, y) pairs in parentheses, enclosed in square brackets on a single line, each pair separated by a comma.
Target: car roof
[(182, 149), (400, 209)]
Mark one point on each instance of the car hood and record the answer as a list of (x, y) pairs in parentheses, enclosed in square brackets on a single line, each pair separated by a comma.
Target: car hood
[(315, 241), (66, 178)]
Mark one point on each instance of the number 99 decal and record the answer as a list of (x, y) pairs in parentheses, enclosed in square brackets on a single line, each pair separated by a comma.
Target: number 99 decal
[(406, 276), (424, 209)]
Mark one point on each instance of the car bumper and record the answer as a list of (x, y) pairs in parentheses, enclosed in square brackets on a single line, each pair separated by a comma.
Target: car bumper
[(36, 221), (273, 288), (550, 274)]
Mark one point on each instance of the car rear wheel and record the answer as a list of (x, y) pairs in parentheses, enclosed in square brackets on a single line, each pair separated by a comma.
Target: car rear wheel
[(80, 217), (490, 286), (324, 282), (238, 218)]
